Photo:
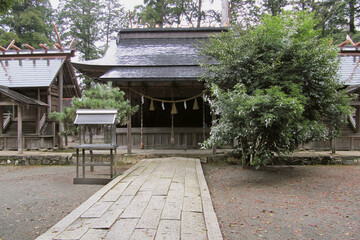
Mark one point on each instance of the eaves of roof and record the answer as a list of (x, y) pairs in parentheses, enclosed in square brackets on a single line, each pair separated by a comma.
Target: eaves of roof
[(21, 98)]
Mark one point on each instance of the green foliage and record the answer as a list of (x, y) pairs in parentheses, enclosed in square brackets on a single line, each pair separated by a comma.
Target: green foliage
[(99, 96), (28, 21), (163, 12), (89, 21), (6, 5), (273, 86)]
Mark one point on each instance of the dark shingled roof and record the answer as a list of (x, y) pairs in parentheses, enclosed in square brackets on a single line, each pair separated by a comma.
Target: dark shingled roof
[(18, 97), (151, 54), (153, 73)]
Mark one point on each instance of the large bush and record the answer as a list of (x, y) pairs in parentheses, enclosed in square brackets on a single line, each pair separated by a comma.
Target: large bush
[(274, 87)]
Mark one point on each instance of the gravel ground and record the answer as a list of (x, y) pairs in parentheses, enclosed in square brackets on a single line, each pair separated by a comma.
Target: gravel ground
[(290, 202), (34, 198)]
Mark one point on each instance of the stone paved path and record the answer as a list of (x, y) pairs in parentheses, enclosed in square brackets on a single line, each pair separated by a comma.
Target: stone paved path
[(165, 198)]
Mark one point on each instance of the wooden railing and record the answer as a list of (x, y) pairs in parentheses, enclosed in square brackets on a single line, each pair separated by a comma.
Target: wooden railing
[(352, 122), (42, 122), (7, 120)]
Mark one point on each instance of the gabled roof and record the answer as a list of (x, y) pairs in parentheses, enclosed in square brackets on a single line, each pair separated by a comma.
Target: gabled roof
[(29, 72), (349, 71), (21, 98), (37, 68), (151, 54)]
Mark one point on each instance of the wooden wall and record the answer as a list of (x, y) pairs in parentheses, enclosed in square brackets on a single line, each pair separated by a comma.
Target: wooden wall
[(159, 138)]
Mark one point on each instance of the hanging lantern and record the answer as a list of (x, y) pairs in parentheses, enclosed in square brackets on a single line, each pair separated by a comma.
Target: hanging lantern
[(173, 109), (196, 105), (152, 108)]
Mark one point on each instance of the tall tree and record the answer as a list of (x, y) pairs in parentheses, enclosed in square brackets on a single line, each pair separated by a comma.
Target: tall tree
[(163, 12), (28, 22), (5, 5), (82, 20), (274, 7), (273, 86), (331, 15), (90, 22), (115, 18), (155, 12), (245, 13)]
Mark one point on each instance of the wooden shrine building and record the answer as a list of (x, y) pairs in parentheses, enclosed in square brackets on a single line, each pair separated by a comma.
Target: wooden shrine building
[(349, 75), (33, 83), (159, 70)]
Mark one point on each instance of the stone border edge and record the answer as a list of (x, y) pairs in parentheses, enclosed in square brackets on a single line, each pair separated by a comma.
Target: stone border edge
[(212, 224)]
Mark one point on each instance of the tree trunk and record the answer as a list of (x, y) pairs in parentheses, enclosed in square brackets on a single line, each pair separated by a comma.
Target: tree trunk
[(199, 14), (352, 16)]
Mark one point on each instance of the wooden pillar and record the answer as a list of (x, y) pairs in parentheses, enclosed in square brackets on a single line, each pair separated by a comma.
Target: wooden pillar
[(129, 138), (203, 118), (53, 123), (49, 100), (213, 124), (333, 145), (1, 119), (19, 132), (61, 95), (38, 117), (172, 134), (357, 119)]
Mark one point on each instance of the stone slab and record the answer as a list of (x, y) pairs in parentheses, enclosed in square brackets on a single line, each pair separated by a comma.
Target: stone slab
[(151, 216), (168, 230), (162, 187), (94, 234), (76, 230), (193, 226), (122, 229), (96, 210), (137, 206), (143, 234)]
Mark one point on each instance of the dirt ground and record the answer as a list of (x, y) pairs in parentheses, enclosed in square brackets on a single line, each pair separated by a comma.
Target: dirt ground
[(290, 202), (34, 198)]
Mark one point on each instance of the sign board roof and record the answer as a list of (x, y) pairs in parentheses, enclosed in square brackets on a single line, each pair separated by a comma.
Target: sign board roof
[(95, 116)]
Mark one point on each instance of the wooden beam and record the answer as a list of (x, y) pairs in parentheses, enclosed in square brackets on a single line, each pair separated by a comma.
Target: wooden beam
[(355, 103), (8, 104), (19, 131)]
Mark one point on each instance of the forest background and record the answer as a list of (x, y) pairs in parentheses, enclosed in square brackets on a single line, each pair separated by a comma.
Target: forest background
[(93, 23)]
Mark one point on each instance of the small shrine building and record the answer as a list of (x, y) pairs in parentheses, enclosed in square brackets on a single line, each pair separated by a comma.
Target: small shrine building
[(159, 70), (34, 83)]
